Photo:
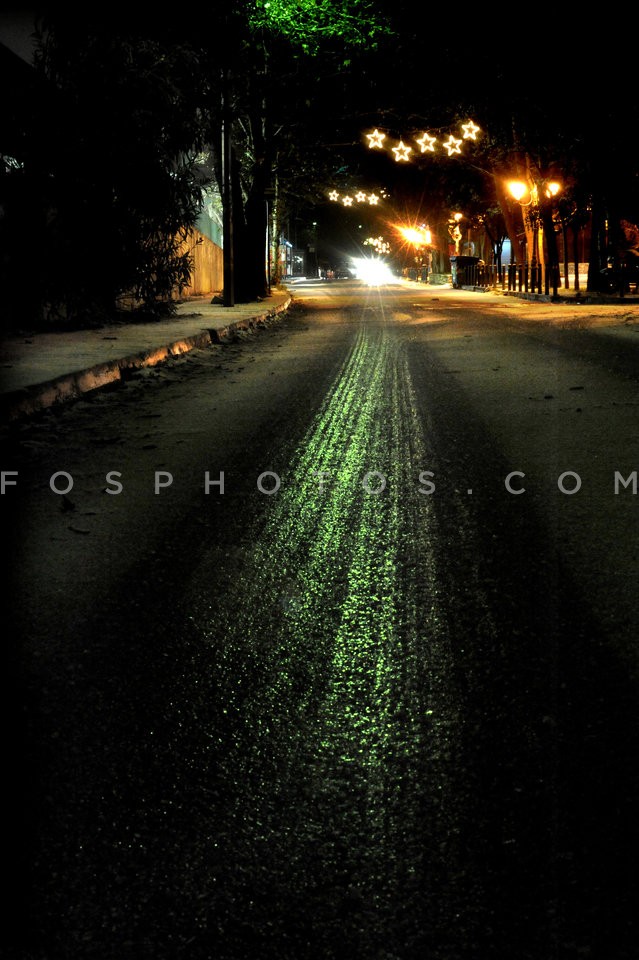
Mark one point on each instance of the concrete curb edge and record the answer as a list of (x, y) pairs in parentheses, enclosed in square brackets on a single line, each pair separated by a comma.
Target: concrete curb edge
[(33, 399)]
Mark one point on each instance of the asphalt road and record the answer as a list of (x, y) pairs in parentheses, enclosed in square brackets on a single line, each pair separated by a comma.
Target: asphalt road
[(373, 695)]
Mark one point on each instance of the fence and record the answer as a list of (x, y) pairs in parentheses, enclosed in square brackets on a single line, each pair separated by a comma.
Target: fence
[(521, 277), (526, 277)]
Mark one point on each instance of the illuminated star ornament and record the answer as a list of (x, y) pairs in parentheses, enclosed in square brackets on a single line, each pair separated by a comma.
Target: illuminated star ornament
[(402, 152), (470, 130), (452, 145), (426, 142), (360, 196), (375, 139)]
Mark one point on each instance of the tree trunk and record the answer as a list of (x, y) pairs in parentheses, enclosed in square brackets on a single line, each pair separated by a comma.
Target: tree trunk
[(575, 242), (597, 246), (513, 221), (256, 228), (552, 250)]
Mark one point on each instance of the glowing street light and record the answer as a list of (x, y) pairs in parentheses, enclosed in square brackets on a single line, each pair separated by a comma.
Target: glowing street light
[(420, 239), (539, 224), (455, 230), (518, 190), (418, 236)]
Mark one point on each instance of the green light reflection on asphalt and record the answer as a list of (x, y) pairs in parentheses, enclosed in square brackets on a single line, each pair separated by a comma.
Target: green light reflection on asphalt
[(339, 549), (332, 653)]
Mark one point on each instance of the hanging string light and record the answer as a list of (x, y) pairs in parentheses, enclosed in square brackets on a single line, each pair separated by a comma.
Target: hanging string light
[(360, 197), (427, 142)]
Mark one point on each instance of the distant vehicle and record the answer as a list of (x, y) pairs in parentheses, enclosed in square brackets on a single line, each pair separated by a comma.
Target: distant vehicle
[(620, 275), (373, 271)]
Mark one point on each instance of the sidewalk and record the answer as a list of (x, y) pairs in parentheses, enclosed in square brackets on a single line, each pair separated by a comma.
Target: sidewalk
[(49, 368)]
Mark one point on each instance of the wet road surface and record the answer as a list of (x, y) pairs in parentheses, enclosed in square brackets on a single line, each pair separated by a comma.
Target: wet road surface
[(360, 699)]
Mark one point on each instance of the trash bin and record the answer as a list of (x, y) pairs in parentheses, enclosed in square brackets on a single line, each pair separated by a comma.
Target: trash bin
[(458, 266)]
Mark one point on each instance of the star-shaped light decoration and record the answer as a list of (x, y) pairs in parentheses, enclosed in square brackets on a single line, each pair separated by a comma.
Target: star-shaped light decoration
[(360, 196), (373, 199), (470, 130), (375, 139), (347, 201), (333, 195), (452, 145), (427, 142), (402, 151)]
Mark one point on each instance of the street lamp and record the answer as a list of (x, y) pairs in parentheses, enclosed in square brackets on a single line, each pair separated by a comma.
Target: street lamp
[(455, 230), (518, 190), (540, 197), (419, 237)]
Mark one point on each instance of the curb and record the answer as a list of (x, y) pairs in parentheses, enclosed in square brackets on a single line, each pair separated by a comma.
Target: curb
[(33, 399), (246, 324)]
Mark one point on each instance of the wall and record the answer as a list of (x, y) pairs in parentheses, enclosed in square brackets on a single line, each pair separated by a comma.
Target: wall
[(208, 266)]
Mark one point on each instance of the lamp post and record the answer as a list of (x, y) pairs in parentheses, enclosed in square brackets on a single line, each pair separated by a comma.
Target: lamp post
[(419, 238), (313, 248), (525, 193), (455, 230), (540, 198)]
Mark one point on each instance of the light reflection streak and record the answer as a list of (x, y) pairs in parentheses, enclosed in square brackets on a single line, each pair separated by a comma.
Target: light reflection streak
[(341, 546), (356, 671)]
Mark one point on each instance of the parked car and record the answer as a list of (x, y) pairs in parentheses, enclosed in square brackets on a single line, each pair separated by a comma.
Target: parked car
[(620, 275)]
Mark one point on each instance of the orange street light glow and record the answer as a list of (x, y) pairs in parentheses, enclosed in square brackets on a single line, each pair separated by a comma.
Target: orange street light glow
[(517, 189), (418, 236)]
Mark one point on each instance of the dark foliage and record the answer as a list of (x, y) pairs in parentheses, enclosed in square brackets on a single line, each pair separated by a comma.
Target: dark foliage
[(104, 190)]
